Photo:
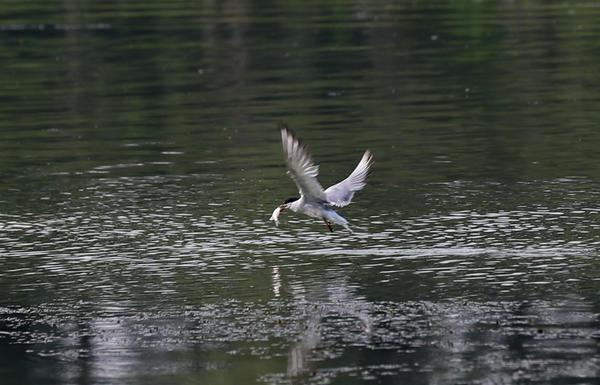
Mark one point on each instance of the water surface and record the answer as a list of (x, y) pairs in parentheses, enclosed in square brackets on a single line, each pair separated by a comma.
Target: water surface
[(140, 161)]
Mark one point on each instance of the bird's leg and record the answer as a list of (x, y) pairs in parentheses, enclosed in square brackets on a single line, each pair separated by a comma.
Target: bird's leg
[(328, 225)]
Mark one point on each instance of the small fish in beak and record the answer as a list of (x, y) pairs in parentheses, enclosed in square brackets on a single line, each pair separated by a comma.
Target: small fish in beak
[(275, 215), (284, 206)]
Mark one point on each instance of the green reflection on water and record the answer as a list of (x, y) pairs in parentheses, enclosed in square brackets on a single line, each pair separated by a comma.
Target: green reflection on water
[(139, 159)]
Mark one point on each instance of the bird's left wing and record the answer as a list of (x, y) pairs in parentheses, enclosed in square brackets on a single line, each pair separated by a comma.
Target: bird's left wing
[(300, 166), (340, 194)]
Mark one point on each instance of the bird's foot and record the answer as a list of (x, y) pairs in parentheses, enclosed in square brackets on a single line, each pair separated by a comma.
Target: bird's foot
[(328, 224)]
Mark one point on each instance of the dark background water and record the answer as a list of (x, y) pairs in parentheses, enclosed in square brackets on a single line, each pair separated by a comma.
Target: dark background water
[(140, 161)]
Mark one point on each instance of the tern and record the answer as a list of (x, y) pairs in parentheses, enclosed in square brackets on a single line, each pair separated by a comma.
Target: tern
[(315, 201)]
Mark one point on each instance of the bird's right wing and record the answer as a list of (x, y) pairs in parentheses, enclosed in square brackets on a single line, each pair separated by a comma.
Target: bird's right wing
[(340, 194), (300, 166)]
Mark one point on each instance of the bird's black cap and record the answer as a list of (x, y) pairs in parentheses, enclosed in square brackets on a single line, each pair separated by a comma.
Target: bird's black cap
[(290, 200)]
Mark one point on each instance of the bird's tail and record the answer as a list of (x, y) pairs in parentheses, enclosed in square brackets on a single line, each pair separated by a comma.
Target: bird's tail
[(338, 219)]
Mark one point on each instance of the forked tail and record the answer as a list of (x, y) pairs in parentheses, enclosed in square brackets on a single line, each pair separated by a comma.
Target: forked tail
[(336, 218)]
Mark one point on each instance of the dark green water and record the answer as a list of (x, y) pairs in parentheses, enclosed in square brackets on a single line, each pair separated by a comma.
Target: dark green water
[(140, 161)]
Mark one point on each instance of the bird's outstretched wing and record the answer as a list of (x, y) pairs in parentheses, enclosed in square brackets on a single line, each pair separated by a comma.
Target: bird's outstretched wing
[(300, 166), (340, 194)]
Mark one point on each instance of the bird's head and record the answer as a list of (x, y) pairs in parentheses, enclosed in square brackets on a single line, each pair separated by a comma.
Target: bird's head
[(285, 205)]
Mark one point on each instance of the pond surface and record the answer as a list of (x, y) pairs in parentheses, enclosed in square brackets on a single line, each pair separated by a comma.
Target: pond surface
[(140, 161)]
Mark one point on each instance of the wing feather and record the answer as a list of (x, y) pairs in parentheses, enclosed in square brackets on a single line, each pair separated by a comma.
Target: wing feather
[(300, 167), (341, 194)]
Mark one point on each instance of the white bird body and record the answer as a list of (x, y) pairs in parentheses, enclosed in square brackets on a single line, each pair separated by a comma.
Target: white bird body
[(314, 201), (317, 210)]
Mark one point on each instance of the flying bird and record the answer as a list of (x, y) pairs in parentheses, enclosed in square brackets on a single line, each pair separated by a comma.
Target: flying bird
[(315, 201)]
